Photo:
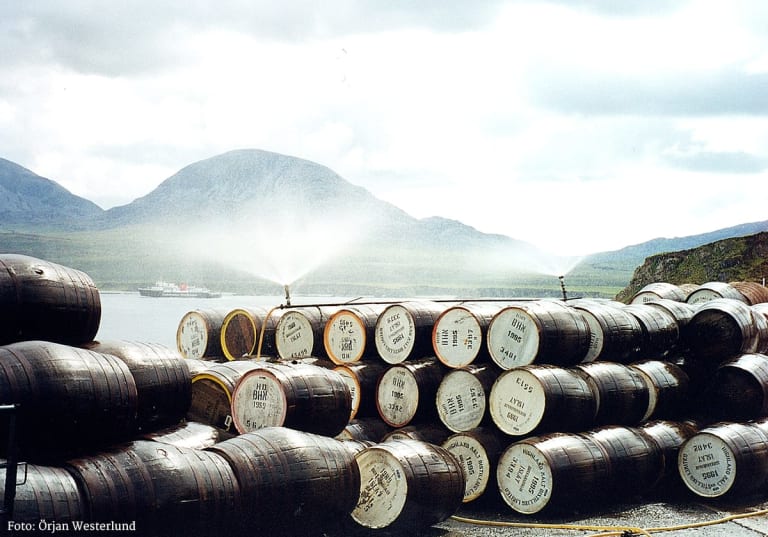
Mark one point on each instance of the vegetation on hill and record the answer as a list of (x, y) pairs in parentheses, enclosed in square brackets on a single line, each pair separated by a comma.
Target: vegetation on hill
[(727, 260)]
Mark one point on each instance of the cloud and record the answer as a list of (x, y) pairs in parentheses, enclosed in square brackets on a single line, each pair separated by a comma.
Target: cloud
[(718, 161), (726, 91)]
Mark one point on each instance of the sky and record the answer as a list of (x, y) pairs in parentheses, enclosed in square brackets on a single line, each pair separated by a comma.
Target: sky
[(579, 126)]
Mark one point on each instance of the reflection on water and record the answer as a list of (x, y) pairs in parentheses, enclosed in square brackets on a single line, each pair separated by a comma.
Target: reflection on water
[(128, 316)]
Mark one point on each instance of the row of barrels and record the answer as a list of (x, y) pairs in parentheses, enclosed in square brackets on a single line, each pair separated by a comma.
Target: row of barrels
[(275, 480), (506, 334)]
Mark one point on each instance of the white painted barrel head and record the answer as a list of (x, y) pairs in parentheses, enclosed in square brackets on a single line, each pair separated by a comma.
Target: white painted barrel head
[(192, 335), (461, 401), (525, 478), (473, 457), (517, 402), (344, 337), (457, 337), (294, 336), (513, 338), (707, 465), (383, 488), (395, 334), (258, 401), (397, 396)]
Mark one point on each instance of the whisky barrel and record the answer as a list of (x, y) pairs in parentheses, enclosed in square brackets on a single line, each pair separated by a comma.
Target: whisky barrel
[(187, 434), (349, 334), (753, 292), (46, 301), (621, 391), (682, 312), (658, 290), (46, 493), (740, 388), (669, 389), (541, 331), (478, 453), (406, 392), (660, 331), (459, 333), (407, 485), (212, 394), (670, 436), (542, 398), (372, 429), (296, 395), (714, 291), (162, 380), (290, 480), (404, 330), (434, 433), (78, 397), (557, 472), (164, 489), (242, 328), (635, 460), (362, 378), (721, 329), (462, 396), (199, 333), (615, 334), (727, 459), (299, 331)]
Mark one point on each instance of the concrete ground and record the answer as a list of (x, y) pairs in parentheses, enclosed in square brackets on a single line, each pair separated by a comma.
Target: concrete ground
[(648, 514)]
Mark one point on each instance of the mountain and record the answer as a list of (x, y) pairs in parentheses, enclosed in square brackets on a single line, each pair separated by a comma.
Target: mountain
[(742, 258), (28, 200), (249, 218)]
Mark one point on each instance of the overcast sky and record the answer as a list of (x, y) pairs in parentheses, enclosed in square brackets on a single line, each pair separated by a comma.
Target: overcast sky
[(577, 125)]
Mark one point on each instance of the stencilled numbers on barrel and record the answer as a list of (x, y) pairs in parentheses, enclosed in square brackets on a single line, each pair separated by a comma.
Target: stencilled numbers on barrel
[(513, 338)]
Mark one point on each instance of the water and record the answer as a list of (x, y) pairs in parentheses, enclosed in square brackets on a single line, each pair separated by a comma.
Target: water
[(129, 316)]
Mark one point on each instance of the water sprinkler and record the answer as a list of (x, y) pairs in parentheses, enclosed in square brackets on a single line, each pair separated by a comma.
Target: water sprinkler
[(562, 287), (287, 294)]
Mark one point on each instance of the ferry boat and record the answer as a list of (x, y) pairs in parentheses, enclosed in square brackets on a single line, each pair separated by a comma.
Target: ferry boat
[(167, 289)]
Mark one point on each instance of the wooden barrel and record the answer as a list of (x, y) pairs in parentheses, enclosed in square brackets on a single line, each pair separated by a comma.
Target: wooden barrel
[(198, 365), (362, 379), (740, 389), (622, 393), (682, 312), (761, 326), (635, 460), (658, 290), (727, 459), (670, 436), (753, 292), (349, 333), (46, 493), (460, 331), (296, 395), (406, 392), (541, 331), (721, 329), (199, 333), (714, 291), (669, 389), (78, 397), (188, 434), (407, 485), (615, 334), (241, 330), (556, 472), (404, 331), (542, 398), (212, 394), (41, 300), (462, 396), (163, 489), (372, 429), (433, 433), (299, 331), (478, 453), (290, 480), (162, 380), (660, 331)]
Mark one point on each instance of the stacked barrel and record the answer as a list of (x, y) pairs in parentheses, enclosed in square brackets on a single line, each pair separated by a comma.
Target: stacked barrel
[(391, 414)]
